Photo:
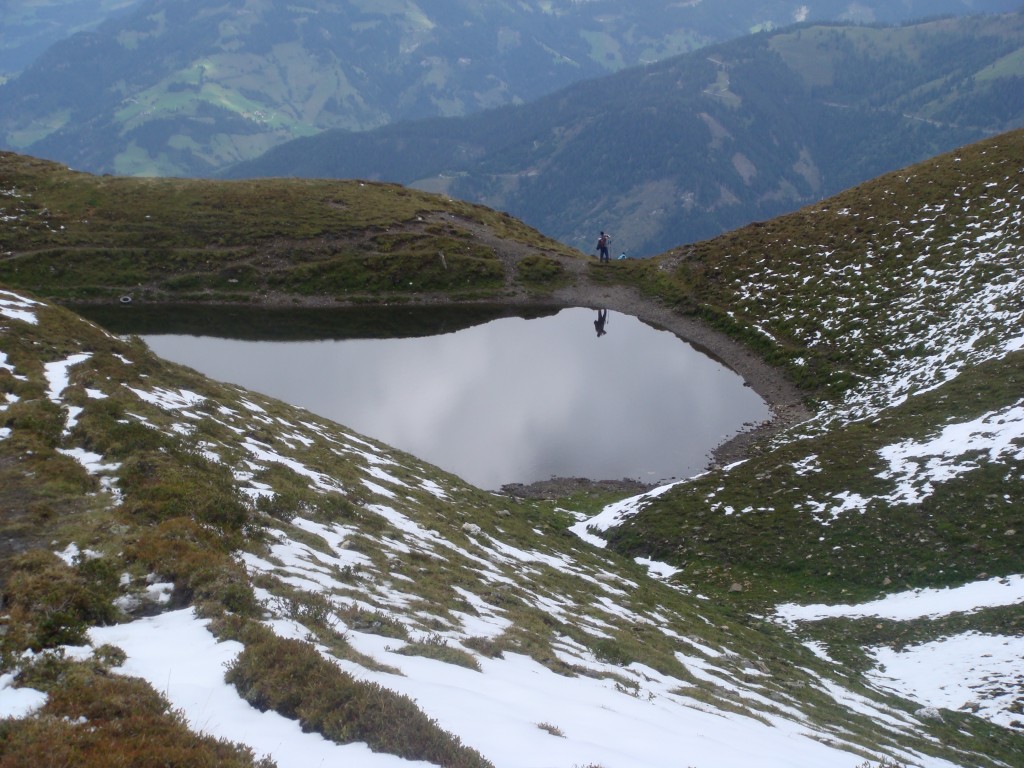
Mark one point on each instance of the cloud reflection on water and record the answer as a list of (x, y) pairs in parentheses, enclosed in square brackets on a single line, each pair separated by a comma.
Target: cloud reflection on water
[(512, 400)]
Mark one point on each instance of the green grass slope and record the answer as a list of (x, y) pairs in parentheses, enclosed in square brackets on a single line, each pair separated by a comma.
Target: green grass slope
[(130, 486), (898, 307), (79, 237), (141, 502)]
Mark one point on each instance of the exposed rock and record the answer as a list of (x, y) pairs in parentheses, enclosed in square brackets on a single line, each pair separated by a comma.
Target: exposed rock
[(560, 487)]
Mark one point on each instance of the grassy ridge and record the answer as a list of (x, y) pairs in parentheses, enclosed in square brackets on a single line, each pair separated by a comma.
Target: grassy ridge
[(80, 237)]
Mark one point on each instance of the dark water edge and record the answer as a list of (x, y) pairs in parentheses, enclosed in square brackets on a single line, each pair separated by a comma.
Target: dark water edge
[(534, 408), (299, 324)]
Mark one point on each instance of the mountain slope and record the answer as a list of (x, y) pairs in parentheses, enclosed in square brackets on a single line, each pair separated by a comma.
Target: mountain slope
[(333, 569), (149, 512), (185, 88), (684, 149), (30, 27), (901, 300), (99, 238)]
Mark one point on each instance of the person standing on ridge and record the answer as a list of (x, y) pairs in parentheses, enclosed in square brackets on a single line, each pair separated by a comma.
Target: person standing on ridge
[(602, 246)]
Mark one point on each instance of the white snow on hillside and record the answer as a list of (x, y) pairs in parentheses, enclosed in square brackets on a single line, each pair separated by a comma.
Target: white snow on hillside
[(500, 710), (16, 307), (520, 713), (512, 709), (971, 672), (988, 316)]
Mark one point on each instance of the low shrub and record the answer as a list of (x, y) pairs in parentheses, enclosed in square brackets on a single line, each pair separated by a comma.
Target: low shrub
[(291, 678), (554, 730), (435, 647), (611, 650), (96, 720), (485, 646), (162, 486), (373, 623), (196, 559), (50, 603)]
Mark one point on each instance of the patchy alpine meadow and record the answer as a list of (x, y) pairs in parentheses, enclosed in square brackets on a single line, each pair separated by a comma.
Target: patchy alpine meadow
[(296, 593), (195, 574), (898, 304)]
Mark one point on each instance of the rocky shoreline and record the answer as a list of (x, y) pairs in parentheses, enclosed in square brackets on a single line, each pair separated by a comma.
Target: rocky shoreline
[(560, 487)]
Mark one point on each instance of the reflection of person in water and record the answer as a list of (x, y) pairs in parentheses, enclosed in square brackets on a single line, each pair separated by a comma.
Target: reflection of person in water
[(602, 318)]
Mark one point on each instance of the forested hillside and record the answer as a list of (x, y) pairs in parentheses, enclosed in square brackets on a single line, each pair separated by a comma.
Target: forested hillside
[(186, 88), (682, 150)]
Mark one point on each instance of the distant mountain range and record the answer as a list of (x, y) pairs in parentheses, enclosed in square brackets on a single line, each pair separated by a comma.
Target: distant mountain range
[(684, 149), (187, 87), (29, 27)]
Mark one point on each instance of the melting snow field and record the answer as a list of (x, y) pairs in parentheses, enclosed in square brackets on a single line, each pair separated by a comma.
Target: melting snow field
[(980, 673), (499, 710)]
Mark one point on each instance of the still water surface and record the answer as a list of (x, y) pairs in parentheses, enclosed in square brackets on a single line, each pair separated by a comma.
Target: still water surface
[(512, 400)]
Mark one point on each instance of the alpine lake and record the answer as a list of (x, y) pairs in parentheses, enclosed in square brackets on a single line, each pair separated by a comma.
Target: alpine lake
[(495, 395)]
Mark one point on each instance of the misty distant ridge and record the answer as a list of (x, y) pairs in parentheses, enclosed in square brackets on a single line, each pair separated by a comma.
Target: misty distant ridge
[(185, 89), (684, 149), (192, 573)]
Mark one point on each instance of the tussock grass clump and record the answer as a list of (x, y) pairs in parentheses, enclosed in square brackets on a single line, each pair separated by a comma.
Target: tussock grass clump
[(291, 678), (436, 647)]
